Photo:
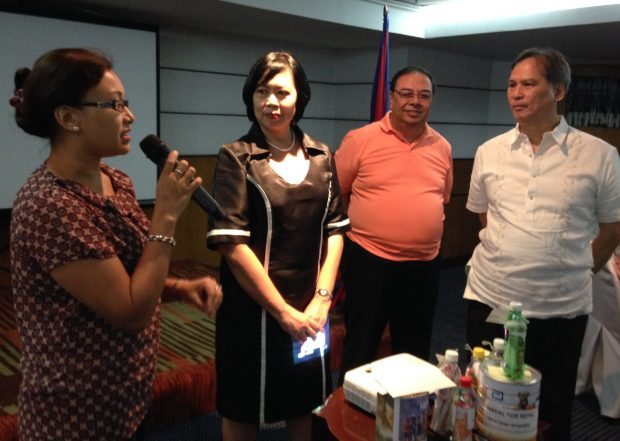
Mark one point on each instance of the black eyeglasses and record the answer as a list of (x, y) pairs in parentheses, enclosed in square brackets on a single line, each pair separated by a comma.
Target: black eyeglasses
[(118, 105)]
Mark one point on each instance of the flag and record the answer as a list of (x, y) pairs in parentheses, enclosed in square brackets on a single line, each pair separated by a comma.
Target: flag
[(380, 89)]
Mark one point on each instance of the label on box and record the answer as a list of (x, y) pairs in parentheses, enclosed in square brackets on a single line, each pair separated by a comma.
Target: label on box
[(403, 418)]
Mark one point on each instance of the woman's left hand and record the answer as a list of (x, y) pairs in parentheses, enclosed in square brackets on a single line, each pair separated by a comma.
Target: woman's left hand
[(205, 293), (318, 309)]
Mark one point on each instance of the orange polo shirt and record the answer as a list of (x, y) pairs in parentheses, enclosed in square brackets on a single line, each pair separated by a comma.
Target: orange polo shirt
[(396, 190)]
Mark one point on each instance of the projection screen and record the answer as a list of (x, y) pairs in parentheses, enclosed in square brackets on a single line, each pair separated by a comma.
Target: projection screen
[(23, 38)]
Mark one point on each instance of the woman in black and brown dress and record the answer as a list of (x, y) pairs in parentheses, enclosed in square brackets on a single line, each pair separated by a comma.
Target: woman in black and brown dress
[(281, 241)]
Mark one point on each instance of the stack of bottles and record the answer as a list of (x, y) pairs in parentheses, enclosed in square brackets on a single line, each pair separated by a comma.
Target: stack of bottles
[(508, 390), (454, 410)]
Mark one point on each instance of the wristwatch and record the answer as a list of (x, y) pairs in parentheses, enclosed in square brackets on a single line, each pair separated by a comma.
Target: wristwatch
[(324, 293)]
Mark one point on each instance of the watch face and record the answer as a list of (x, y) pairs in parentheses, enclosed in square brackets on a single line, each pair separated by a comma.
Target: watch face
[(323, 292)]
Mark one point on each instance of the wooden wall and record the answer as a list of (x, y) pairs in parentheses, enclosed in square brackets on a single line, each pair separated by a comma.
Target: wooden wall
[(191, 232), (460, 234)]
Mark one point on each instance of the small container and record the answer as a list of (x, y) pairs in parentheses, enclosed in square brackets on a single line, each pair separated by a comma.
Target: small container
[(473, 369), (463, 411), (515, 329), (508, 410), (441, 421), (496, 357)]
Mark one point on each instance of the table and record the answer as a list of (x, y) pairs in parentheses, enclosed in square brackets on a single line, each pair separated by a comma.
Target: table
[(340, 420)]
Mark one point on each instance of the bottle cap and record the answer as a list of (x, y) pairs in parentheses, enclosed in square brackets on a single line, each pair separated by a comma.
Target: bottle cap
[(452, 356), (515, 306), (498, 344), (479, 352), (465, 381)]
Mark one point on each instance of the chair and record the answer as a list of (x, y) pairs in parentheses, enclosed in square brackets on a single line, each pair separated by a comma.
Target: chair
[(599, 365)]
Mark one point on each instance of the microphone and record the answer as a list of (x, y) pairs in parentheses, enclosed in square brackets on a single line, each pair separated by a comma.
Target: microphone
[(157, 151)]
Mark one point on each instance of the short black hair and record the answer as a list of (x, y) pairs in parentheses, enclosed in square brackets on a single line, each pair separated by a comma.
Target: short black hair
[(557, 69), (412, 69), (267, 67)]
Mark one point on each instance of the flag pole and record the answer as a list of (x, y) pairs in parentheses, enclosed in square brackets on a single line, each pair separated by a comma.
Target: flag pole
[(380, 89)]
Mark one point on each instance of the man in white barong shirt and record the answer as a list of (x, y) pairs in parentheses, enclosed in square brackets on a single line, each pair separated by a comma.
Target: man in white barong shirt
[(548, 197)]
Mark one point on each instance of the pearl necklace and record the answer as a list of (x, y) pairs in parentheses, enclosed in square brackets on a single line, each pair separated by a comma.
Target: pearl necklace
[(289, 148)]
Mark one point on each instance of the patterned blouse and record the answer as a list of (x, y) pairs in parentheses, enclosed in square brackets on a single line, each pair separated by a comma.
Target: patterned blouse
[(82, 378)]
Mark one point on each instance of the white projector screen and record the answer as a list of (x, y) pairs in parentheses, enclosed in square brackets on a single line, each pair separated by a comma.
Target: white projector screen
[(23, 38)]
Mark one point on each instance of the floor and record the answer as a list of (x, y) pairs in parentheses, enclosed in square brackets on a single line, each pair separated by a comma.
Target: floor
[(449, 332)]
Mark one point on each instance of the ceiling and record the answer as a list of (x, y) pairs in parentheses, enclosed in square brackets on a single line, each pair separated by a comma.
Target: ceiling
[(596, 43)]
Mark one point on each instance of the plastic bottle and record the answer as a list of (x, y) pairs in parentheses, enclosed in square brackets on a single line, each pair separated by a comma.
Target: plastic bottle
[(473, 368), (463, 411), (497, 355), (515, 329), (441, 421)]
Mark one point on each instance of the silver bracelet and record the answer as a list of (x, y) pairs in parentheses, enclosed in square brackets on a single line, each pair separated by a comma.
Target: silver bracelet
[(161, 238)]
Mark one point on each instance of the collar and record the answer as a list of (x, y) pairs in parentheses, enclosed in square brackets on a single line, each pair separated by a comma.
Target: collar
[(259, 145), (120, 182), (386, 124), (558, 134)]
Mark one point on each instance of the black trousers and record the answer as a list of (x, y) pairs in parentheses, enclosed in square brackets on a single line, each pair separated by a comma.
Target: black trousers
[(553, 347), (381, 291)]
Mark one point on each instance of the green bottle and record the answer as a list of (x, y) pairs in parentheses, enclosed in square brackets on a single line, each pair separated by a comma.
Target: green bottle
[(515, 329)]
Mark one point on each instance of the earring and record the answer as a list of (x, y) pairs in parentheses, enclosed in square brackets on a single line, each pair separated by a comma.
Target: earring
[(76, 129)]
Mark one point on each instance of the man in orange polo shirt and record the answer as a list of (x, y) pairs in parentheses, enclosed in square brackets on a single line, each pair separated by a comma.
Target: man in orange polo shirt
[(396, 176)]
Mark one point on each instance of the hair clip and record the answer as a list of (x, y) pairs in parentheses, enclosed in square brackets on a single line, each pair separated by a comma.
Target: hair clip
[(17, 99)]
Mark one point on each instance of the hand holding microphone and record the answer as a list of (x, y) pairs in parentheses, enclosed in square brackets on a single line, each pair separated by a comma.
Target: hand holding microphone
[(157, 151)]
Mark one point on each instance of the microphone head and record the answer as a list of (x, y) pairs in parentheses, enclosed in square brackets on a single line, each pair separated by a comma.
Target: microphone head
[(155, 149)]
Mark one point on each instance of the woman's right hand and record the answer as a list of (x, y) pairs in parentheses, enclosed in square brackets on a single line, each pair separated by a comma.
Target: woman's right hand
[(176, 184), (255, 281), (296, 323)]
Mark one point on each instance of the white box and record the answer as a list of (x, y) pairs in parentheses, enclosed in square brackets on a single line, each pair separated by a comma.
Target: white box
[(397, 375)]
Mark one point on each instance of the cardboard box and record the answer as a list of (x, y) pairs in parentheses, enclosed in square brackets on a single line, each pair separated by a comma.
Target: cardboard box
[(398, 375), (402, 418)]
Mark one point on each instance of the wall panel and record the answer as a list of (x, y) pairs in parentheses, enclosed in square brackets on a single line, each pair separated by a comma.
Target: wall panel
[(201, 134), (200, 92)]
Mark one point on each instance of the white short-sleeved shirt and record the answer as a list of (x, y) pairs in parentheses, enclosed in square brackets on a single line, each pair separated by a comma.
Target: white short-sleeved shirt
[(543, 211)]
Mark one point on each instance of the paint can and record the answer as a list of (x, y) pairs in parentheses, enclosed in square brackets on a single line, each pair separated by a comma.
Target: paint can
[(507, 410)]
